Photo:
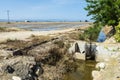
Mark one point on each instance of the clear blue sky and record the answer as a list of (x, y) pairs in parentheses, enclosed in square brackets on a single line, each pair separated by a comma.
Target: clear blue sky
[(44, 9)]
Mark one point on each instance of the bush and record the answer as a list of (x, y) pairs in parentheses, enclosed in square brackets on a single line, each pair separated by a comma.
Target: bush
[(117, 34), (90, 34), (54, 56), (60, 43), (2, 29)]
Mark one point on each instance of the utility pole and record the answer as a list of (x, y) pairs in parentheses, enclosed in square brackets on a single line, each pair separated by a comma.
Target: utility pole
[(8, 16)]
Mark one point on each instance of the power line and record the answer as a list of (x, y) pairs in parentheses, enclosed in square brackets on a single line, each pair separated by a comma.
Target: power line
[(8, 16)]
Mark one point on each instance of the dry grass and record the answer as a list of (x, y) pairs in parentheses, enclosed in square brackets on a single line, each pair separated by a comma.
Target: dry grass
[(60, 44), (11, 29), (74, 35), (35, 38), (14, 44), (19, 44)]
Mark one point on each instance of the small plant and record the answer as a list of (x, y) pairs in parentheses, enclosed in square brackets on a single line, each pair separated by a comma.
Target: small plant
[(67, 45), (90, 34), (54, 57), (60, 43), (74, 35), (2, 29), (117, 34), (11, 40), (106, 47), (32, 35), (70, 66), (39, 38)]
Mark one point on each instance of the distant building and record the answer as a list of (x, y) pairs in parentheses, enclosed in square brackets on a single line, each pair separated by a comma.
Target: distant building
[(27, 21), (86, 20)]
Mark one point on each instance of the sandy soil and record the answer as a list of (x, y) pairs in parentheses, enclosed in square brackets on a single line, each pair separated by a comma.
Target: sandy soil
[(23, 35)]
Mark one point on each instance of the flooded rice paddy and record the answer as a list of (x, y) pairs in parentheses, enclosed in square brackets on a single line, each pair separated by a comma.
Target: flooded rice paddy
[(46, 26)]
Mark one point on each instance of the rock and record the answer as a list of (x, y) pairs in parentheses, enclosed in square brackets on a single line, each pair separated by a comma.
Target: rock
[(96, 75), (16, 78), (100, 66), (5, 54), (79, 56), (36, 70), (110, 41), (9, 69), (19, 66)]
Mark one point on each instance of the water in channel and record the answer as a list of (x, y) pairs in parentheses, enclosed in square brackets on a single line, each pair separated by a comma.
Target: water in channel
[(83, 71), (101, 37)]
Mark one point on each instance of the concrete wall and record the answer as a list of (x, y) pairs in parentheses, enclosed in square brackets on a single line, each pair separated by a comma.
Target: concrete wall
[(103, 51)]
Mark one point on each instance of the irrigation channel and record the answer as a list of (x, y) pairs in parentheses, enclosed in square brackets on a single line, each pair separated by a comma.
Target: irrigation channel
[(85, 68)]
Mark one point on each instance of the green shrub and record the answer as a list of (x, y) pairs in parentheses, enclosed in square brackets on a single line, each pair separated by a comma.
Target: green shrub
[(2, 29), (90, 34), (117, 34)]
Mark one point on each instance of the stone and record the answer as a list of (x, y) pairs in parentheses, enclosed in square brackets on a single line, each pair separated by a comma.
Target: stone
[(16, 78), (9, 69), (100, 65), (79, 56), (18, 65), (96, 75), (5, 54), (110, 40)]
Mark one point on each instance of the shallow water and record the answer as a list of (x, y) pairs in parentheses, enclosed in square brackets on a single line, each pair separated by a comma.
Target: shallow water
[(83, 71), (101, 37), (48, 27)]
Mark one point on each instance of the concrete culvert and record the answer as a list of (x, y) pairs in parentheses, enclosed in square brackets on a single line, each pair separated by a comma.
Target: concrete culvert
[(77, 49), (90, 51)]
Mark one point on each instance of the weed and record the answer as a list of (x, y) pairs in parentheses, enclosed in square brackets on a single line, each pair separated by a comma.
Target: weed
[(90, 34), (32, 35), (54, 57), (12, 40), (2, 29), (60, 43), (117, 34)]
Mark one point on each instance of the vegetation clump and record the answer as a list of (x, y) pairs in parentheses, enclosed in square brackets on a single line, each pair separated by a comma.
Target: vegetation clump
[(60, 43), (117, 35), (2, 29), (90, 34), (105, 12)]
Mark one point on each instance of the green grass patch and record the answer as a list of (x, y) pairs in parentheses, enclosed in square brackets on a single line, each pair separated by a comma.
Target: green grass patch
[(90, 34), (117, 34)]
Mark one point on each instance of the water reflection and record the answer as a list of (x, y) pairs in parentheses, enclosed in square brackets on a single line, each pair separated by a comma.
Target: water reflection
[(83, 71)]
